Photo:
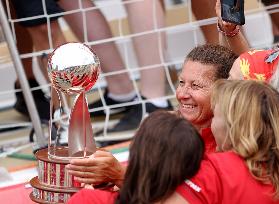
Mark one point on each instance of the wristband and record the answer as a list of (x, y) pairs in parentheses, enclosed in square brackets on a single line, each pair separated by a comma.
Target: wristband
[(228, 34)]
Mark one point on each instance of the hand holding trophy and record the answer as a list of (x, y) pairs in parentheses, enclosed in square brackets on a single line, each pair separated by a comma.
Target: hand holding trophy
[(73, 69)]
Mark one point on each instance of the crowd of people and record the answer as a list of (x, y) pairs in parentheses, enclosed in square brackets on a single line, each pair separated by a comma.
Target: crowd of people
[(221, 144)]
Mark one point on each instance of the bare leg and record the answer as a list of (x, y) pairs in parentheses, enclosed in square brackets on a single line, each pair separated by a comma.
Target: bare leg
[(148, 46), (275, 19), (40, 38), (275, 29), (204, 9), (98, 29), (41, 42), (275, 25), (24, 45)]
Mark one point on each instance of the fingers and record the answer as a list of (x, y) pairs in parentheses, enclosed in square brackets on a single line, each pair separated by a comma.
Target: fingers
[(90, 169), (83, 174), (87, 177), (83, 162), (102, 153), (93, 160), (100, 167)]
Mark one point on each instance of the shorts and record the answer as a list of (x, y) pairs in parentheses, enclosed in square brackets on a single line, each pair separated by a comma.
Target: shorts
[(269, 2), (30, 8)]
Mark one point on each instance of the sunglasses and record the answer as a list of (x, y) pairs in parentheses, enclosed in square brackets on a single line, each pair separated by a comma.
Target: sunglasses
[(272, 56)]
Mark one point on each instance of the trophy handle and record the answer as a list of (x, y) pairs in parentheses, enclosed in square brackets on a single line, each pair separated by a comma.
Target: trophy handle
[(80, 136)]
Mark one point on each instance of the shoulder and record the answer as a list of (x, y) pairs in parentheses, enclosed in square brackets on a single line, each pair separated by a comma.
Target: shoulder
[(216, 170), (222, 175), (221, 165), (223, 158)]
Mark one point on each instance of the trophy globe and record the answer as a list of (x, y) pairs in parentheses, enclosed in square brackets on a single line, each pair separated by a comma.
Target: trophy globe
[(73, 69)]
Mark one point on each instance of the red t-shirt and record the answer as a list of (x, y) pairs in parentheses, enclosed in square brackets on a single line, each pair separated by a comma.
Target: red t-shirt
[(224, 178), (209, 141), (90, 196)]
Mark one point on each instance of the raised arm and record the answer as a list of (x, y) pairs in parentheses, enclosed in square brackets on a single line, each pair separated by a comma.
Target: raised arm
[(230, 35)]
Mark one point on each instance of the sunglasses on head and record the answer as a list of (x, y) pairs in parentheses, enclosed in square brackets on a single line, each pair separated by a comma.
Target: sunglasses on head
[(272, 56)]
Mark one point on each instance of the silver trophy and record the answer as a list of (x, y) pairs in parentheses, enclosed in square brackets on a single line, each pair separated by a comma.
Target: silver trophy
[(73, 69)]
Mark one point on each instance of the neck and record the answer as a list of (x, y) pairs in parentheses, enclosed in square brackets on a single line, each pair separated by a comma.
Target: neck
[(203, 125), (198, 126)]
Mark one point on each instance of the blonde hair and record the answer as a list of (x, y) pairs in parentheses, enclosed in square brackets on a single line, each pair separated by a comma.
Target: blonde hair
[(274, 80), (251, 114)]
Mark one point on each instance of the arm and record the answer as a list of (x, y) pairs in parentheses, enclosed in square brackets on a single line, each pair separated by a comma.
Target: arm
[(101, 167), (238, 42)]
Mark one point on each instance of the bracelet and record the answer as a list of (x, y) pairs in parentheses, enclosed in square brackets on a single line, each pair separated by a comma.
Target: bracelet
[(228, 34)]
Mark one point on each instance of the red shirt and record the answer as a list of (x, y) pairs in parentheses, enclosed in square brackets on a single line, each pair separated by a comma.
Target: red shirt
[(209, 141), (90, 196), (224, 178)]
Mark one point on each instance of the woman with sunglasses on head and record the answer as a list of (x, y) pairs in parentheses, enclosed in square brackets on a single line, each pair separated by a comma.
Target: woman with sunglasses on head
[(260, 65), (245, 127)]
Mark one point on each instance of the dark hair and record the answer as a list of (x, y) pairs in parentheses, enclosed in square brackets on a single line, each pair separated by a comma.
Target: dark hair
[(165, 151), (220, 57)]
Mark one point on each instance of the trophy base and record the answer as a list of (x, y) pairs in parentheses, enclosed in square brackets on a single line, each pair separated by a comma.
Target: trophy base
[(50, 194), (54, 184)]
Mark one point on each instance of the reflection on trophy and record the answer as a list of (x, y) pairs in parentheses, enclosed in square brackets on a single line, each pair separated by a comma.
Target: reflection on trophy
[(73, 69)]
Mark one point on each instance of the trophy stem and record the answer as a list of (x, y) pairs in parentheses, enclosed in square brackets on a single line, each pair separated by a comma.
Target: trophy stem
[(50, 120), (83, 123), (80, 139)]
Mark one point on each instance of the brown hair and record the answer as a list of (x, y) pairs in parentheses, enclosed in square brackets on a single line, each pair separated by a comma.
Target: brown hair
[(165, 151), (220, 57), (251, 113)]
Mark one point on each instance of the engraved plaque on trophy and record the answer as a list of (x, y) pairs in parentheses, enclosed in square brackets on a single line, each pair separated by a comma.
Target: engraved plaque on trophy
[(73, 69)]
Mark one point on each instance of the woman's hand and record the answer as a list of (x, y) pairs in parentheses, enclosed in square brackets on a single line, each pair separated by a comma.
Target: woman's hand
[(225, 26), (101, 167)]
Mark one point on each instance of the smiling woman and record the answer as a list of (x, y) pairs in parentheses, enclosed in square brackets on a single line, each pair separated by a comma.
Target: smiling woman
[(202, 67)]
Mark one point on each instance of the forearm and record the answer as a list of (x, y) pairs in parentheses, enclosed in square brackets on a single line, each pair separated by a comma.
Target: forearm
[(230, 34), (238, 43)]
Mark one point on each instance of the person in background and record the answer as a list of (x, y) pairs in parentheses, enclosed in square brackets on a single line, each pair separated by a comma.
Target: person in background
[(245, 127), (33, 34), (120, 88), (204, 9), (148, 54), (149, 49), (153, 176)]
